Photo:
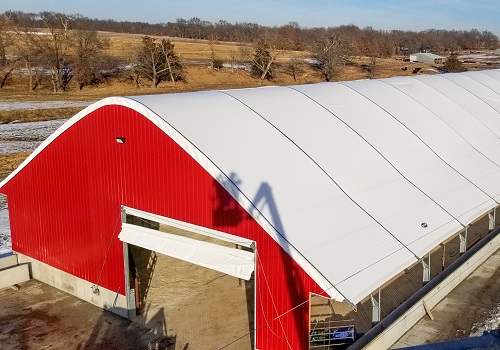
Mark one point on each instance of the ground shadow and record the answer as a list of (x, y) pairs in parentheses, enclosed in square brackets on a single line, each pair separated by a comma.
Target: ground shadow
[(113, 332)]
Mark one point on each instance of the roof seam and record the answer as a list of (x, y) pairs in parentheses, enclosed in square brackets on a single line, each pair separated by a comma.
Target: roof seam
[(352, 199), (267, 121), (444, 121), (321, 168)]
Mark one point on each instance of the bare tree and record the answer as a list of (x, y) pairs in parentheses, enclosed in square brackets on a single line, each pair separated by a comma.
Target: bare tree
[(6, 67), (157, 62), (294, 67), (233, 59), (331, 53), (30, 53), (91, 62), (262, 58), (55, 46), (5, 38)]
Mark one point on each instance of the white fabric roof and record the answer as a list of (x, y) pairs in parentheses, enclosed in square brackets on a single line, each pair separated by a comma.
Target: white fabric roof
[(344, 174)]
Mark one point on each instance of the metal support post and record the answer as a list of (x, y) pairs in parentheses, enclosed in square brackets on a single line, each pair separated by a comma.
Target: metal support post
[(376, 308), (463, 241), (443, 257), (129, 292), (491, 217), (426, 270)]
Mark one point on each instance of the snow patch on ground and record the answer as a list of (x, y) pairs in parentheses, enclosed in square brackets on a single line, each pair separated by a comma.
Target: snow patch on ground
[(485, 58), (25, 137), (491, 323), (12, 106)]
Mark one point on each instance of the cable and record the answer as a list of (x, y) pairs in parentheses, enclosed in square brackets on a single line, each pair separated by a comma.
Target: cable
[(329, 176), (480, 99), (444, 121), (272, 299), (107, 252)]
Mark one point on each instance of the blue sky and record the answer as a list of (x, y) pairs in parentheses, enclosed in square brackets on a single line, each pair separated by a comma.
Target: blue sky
[(383, 14)]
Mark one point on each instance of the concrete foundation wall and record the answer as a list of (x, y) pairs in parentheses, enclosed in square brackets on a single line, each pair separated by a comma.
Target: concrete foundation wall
[(10, 260), (13, 275), (76, 286), (391, 334)]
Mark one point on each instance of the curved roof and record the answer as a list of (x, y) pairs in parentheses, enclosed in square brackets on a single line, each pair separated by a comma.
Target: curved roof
[(344, 175)]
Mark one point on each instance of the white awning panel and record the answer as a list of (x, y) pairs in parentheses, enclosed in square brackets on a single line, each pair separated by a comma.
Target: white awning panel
[(205, 231), (234, 262)]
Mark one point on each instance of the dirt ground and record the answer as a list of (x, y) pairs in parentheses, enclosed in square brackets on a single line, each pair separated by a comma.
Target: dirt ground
[(187, 308), (38, 316), (199, 307)]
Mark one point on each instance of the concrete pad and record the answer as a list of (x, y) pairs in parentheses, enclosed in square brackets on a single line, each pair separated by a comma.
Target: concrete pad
[(469, 303), (8, 261), (14, 275)]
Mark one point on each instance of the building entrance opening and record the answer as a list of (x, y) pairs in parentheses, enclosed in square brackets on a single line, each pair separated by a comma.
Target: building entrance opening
[(180, 287)]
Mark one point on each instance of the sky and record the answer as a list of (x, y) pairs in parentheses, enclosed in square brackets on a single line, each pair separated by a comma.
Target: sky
[(413, 15)]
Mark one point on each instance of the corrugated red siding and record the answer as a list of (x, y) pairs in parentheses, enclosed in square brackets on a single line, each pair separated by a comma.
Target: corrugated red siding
[(65, 211)]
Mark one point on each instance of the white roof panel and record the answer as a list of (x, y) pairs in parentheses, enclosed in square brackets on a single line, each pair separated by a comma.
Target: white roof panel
[(490, 78), (405, 152), (436, 134)]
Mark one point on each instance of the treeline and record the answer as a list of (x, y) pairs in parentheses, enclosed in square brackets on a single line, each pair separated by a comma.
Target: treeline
[(292, 36), (70, 49)]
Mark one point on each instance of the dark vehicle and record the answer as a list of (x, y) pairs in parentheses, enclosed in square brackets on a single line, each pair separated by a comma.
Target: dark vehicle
[(341, 336)]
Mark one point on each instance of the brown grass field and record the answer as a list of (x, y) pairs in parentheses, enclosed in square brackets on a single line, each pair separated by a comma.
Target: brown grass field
[(9, 162), (196, 54)]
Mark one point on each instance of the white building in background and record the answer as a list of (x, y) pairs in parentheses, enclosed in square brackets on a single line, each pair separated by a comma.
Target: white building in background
[(425, 57)]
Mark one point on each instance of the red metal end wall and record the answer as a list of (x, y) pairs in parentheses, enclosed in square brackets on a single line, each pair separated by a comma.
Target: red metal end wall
[(65, 211)]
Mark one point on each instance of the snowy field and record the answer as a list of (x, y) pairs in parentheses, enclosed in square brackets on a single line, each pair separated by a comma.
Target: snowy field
[(25, 137), (481, 58), (31, 105)]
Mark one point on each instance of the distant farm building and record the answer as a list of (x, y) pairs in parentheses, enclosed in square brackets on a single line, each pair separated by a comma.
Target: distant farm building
[(425, 57), (314, 197)]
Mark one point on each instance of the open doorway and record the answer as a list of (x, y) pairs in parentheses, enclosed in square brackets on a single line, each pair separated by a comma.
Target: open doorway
[(195, 306)]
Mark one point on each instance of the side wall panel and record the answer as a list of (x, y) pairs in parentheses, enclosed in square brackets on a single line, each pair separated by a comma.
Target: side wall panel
[(65, 211)]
